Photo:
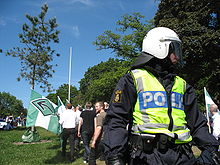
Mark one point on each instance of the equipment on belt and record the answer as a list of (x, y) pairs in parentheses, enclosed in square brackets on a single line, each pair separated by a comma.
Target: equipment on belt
[(209, 157), (216, 157), (115, 161), (147, 143), (162, 143)]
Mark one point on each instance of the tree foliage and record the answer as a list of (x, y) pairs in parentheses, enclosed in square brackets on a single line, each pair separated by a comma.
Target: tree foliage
[(37, 54), (63, 92), (10, 105), (100, 80), (198, 25), (78, 100), (126, 44)]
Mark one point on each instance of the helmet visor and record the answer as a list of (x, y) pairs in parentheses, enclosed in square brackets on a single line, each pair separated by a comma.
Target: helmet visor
[(177, 49)]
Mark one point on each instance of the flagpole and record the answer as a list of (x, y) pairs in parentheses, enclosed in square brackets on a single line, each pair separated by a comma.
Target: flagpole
[(70, 72), (207, 111)]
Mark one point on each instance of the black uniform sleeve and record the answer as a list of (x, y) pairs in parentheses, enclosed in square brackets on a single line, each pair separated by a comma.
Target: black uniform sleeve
[(118, 116), (197, 122), (82, 114)]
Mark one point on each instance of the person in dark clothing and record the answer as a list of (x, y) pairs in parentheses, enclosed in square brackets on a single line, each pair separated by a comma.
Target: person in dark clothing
[(153, 116), (86, 128)]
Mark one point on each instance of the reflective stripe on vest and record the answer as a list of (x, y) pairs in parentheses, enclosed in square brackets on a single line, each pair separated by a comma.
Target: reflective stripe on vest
[(151, 109)]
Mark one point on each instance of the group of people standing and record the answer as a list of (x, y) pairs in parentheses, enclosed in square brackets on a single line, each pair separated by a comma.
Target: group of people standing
[(13, 122), (86, 125)]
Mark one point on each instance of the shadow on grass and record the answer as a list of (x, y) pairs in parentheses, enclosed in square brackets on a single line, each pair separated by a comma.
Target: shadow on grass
[(21, 128), (57, 146), (58, 158), (12, 129)]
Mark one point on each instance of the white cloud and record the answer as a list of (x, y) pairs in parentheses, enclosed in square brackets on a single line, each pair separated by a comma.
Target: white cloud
[(151, 3), (2, 21), (6, 20), (71, 30), (84, 2), (75, 31), (60, 6), (121, 6)]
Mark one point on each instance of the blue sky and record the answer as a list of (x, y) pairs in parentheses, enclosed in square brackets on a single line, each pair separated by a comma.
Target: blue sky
[(80, 22)]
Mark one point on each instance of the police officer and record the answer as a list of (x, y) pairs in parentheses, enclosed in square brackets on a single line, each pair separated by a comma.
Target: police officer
[(153, 116)]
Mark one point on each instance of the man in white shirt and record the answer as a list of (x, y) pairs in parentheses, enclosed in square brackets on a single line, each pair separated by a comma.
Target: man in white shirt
[(77, 110), (216, 121), (68, 120)]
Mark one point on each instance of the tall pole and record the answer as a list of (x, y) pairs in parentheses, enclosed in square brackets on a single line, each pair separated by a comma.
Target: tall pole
[(207, 110), (70, 72)]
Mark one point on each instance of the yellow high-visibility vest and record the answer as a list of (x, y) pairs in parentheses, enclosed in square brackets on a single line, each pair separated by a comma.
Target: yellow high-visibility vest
[(156, 110)]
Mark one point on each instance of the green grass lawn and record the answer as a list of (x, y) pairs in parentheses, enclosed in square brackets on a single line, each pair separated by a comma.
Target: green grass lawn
[(14, 152)]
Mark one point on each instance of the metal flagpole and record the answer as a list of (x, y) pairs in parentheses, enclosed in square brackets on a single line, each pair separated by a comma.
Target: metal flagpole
[(70, 72), (207, 110)]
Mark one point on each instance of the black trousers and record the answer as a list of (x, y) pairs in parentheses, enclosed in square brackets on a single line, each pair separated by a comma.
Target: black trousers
[(158, 150), (96, 152), (77, 140), (86, 138), (68, 133), (173, 156)]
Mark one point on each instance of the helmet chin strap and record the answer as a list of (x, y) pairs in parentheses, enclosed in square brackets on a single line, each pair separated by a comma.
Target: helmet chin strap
[(167, 64), (161, 65)]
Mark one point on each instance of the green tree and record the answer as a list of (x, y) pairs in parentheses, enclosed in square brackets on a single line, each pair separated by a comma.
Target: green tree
[(100, 80), (126, 44), (198, 25), (52, 97), (37, 54), (10, 105), (62, 92), (78, 100), (101, 89)]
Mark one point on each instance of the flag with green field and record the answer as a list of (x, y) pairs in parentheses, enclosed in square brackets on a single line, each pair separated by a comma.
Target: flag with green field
[(42, 113), (60, 106), (208, 100)]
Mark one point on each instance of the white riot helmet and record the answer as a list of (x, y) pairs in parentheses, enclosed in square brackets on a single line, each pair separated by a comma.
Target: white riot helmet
[(157, 43)]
